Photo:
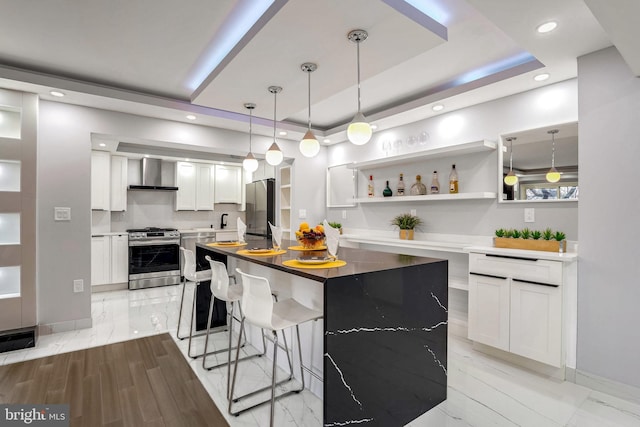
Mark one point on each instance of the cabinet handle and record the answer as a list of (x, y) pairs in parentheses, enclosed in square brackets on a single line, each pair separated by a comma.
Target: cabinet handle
[(489, 275), (512, 257), (535, 283)]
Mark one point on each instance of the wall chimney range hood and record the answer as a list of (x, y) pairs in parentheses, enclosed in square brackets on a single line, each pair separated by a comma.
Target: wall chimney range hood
[(151, 176)]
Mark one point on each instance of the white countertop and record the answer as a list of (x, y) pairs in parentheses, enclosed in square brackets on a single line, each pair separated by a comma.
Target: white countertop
[(206, 229), (454, 243), (109, 233), (551, 256)]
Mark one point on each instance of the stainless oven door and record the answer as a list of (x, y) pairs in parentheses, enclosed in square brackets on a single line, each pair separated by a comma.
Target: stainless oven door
[(153, 263)]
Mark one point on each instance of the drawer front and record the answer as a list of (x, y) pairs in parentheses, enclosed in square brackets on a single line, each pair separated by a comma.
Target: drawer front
[(540, 271)]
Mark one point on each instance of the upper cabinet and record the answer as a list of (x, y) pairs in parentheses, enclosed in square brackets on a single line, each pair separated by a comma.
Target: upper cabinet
[(228, 184), (119, 168), (195, 183), (473, 160), (100, 180)]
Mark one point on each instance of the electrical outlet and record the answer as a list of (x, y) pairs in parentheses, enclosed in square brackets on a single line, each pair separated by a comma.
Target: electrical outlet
[(302, 213), (413, 212), (344, 214), (529, 215), (78, 285)]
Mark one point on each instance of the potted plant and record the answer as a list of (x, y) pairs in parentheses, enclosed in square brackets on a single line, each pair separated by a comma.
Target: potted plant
[(546, 240), (406, 223), (336, 225)]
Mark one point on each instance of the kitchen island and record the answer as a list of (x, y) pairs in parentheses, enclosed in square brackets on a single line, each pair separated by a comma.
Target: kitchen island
[(383, 343)]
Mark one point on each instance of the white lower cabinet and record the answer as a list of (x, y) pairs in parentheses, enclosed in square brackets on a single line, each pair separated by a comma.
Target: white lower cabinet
[(120, 258), (536, 322), (510, 308), (109, 259), (489, 310), (100, 260)]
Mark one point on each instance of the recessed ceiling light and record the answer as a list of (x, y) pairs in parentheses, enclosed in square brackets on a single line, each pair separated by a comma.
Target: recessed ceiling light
[(57, 93), (102, 144), (282, 133), (326, 140), (191, 117), (438, 107), (547, 27), (146, 155), (541, 77), (374, 127), (186, 160)]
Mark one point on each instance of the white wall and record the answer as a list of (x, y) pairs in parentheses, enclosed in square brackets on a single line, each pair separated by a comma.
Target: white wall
[(609, 272), (546, 106), (64, 180)]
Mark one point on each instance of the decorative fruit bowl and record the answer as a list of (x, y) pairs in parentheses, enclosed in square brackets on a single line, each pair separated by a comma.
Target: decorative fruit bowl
[(311, 238)]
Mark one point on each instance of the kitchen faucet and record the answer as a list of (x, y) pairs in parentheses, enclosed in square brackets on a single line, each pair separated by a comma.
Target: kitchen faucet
[(223, 223)]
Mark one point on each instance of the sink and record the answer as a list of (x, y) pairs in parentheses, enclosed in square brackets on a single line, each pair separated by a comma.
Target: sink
[(204, 229)]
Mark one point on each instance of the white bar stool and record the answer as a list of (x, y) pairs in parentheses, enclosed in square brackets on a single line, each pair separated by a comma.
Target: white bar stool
[(191, 276), (221, 290), (259, 309)]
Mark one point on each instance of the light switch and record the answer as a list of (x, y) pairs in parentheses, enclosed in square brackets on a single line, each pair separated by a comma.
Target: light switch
[(302, 213), (529, 215), (62, 214), (413, 212), (78, 285), (344, 214)]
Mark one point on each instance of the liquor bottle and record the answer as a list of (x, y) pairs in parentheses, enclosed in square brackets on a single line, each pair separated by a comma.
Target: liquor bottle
[(435, 184), (387, 191), (400, 191), (453, 180), (418, 188), (370, 187)]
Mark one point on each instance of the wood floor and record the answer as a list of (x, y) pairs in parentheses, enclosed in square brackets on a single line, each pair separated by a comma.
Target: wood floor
[(143, 382)]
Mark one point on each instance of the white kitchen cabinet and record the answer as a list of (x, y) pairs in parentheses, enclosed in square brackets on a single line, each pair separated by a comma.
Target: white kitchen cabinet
[(119, 168), (100, 260), (119, 265), (100, 180), (489, 310), (228, 184), (186, 183), (195, 182), (205, 183), (516, 305), (536, 322)]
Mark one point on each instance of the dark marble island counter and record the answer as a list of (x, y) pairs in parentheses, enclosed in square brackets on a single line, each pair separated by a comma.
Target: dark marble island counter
[(385, 331)]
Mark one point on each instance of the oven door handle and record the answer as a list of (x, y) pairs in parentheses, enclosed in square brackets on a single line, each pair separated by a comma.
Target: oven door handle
[(153, 242)]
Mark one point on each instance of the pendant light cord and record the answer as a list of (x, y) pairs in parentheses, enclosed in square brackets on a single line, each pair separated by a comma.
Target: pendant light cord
[(309, 97), (358, 62), (553, 149), (250, 117), (511, 153), (274, 115)]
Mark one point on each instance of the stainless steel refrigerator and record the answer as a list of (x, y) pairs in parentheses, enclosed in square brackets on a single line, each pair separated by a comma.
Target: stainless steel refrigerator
[(260, 208)]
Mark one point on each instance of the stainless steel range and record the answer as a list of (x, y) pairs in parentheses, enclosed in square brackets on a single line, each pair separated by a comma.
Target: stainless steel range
[(154, 257)]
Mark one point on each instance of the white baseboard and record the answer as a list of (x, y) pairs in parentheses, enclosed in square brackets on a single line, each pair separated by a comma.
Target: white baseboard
[(70, 325), (532, 365), (110, 287), (605, 385)]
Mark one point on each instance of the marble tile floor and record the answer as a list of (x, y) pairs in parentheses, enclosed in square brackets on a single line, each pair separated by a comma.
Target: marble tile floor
[(483, 391)]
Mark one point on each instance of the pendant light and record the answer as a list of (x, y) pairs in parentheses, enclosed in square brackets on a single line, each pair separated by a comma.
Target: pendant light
[(274, 154), (553, 175), (511, 178), (359, 131), (250, 164), (309, 146)]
